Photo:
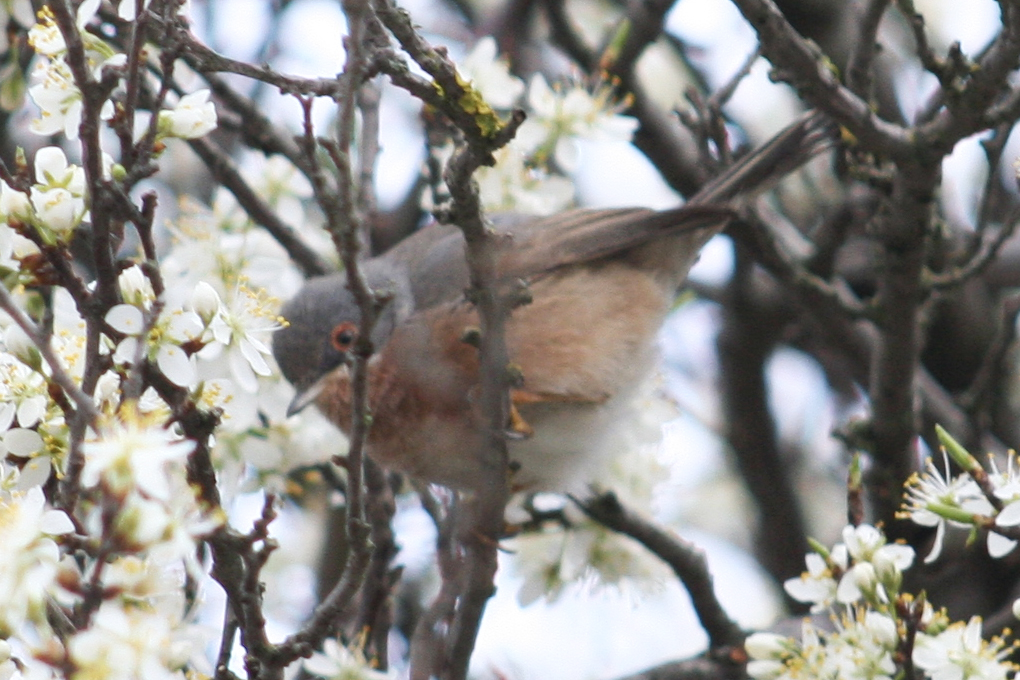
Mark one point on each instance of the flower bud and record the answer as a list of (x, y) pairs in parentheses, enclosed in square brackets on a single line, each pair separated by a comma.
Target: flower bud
[(205, 301), (766, 645), (19, 344), (193, 117), (14, 204)]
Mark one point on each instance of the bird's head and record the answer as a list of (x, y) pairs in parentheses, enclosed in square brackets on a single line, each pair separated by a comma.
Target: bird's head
[(324, 323)]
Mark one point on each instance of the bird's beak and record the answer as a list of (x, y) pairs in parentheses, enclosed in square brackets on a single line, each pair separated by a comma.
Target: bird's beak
[(306, 396)]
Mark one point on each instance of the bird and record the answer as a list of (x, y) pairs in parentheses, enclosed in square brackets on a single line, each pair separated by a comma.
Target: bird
[(600, 281)]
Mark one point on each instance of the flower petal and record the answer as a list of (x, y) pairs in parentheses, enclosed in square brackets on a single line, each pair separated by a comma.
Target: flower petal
[(1009, 516), (176, 365), (999, 546), (127, 319)]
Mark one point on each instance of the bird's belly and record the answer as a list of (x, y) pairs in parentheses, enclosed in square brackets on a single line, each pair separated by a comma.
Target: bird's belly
[(570, 444), (573, 443), (436, 449), (569, 449), (584, 347)]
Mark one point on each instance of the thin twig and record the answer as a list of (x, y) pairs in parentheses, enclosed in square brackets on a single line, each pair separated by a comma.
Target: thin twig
[(368, 152), (989, 245), (226, 173), (686, 561), (205, 60), (801, 64), (858, 72), (343, 224), (58, 375)]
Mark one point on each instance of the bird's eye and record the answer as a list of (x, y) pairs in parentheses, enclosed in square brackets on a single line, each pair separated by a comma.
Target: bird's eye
[(343, 336)]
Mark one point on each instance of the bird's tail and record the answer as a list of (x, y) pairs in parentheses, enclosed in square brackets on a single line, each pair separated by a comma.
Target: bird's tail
[(793, 146)]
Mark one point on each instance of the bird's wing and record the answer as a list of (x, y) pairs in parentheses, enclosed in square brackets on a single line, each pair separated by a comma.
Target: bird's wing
[(434, 256), (438, 273), (580, 236)]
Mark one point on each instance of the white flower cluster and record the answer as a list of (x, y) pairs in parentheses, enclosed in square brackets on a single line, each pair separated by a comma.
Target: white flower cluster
[(55, 92), (939, 500), (337, 662), (227, 276), (859, 581), (117, 557), (33, 432), (28, 567), (60, 100), (150, 521), (531, 174), (581, 551), (861, 647), (865, 645), (864, 565), (55, 205)]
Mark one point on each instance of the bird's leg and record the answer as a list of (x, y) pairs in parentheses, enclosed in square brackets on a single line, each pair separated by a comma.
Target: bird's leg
[(517, 427)]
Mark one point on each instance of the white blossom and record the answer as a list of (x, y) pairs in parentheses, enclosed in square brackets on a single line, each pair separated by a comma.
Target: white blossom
[(513, 185), (960, 653), (766, 646), (860, 581), (21, 477), (863, 648), (58, 197), (193, 117), (128, 644), (131, 453), (1007, 489), (55, 92), (279, 183), (24, 396), (1009, 516), (205, 302), (126, 9), (53, 170), (935, 499), (224, 248), (242, 327), (166, 530), (135, 287), (126, 318), (862, 566), (559, 117), (48, 41), (14, 204), (336, 662), (490, 76), (865, 543), (162, 343), (9, 258), (17, 342), (147, 582), (59, 100), (8, 667), (22, 442), (817, 585), (28, 561), (45, 36), (58, 210)]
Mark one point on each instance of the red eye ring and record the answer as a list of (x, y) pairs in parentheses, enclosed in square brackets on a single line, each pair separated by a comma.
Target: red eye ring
[(343, 336)]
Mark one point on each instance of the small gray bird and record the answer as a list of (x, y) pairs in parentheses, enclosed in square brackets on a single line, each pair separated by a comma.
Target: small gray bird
[(601, 281)]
